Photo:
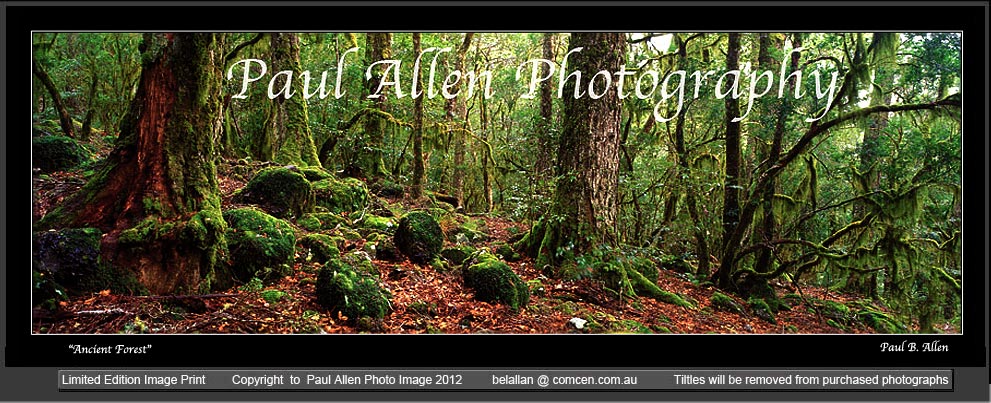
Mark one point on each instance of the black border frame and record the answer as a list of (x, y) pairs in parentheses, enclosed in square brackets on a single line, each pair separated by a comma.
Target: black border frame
[(438, 351)]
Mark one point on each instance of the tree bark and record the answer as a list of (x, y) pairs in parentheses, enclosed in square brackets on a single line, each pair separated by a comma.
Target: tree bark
[(458, 122), (731, 185), (63, 115), (584, 207), (289, 121), (545, 139), (157, 197), (371, 163), (419, 174)]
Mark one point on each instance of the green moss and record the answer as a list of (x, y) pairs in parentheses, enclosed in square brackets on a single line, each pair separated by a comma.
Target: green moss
[(722, 302), (388, 188), (321, 247), (382, 224), (567, 307), (273, 296), (341, 288), (260, 245), (506, 252), (419, 237), (360, 261), (314, 174), (646, 267), (282, 192), (628, 326), (341, 195), (70, 258), (57, 153), (457, 254), (321, 221), (146, 231), (385, 249), (494, 281), (760, 308), (460, 228), (881, 322), (835, 310)]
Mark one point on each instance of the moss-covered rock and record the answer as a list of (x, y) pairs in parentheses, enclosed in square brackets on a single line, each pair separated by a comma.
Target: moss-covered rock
[(387, 188), (722, 302), (260, 245), (57, 153), (385, 249), (646, 267), (341, 195), (762, 310), (70, 258), (494, 281), (314, 174), (419, 237), (341, 288), (380, 224), (457, 254), (881, 322), (321, 221), (506, 252), (360, 261), (281, 191), (322, 247), (460, 228)]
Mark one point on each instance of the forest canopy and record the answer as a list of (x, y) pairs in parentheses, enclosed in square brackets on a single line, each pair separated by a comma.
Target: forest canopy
[(507, 182)]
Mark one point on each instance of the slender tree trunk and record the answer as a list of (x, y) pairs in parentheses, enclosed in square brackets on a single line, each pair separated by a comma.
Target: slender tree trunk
[(371, 163), (458, 123), (419, 174), (63, 115), (157, 197), (486, 156), (545, 138), (731, 185), (289, 121), (90, 112)]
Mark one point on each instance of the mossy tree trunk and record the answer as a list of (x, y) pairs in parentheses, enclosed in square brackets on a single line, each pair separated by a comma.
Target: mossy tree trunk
[(458, 122), (288, 125), (584, 207), (731, 184), (157, 199), (63, 115), (419, 172), (370, 161)]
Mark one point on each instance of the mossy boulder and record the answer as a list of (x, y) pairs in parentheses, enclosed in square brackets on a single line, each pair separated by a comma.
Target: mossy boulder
[(341, 288), (341, 195), (460, 228), (506, 252), (260, 245), (385, 249), (722, 302), (494, 281), (387, 188), (321, 221), (282, 192), (419, 237), (361, 261), (381, 224), (646, 267), (57, 153), (70, 258), (314, 174), (458, 254), (881, 322), (322, 247)]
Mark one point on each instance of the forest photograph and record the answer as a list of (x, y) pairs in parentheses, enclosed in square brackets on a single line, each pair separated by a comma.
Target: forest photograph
[(496, 183)]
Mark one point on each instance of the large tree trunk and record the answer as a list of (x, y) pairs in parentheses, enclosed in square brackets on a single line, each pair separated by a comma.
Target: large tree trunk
[(63, 115), (731, 185), (370, 160), (455, 109), (584, 207), (288, 126), (419, 174), (157, 197)]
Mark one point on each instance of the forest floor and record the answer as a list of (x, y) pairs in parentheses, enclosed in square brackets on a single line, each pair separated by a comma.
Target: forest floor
[(425, 300)]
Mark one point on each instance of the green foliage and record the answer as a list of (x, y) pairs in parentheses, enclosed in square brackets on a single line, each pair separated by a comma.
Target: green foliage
[(56, 153), (494, 281), (260, 245), (419, 237), (281, 192), (355, 294), (273, 296)]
